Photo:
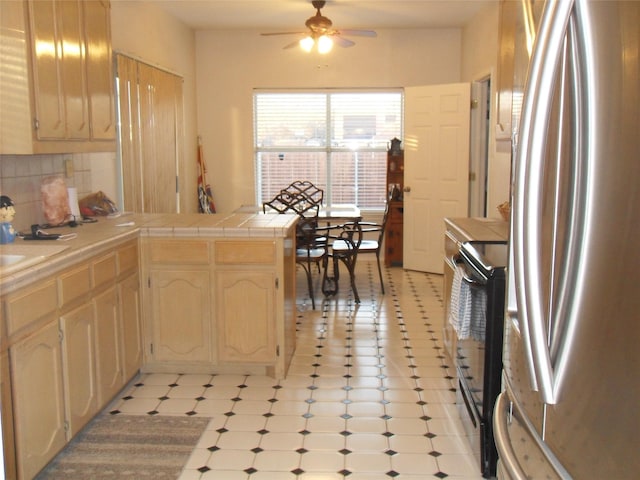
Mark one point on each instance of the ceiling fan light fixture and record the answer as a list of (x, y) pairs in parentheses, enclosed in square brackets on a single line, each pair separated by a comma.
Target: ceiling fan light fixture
[(320, 33), (325, 44), (307, 43)]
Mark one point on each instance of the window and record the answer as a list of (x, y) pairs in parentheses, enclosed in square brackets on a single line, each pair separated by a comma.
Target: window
[(336, 139)]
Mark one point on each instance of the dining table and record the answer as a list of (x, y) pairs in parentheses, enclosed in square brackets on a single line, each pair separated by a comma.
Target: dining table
[(330, 214), (339, 213)]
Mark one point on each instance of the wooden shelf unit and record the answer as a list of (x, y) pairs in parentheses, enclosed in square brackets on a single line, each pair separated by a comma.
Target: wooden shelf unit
[(393, 232)]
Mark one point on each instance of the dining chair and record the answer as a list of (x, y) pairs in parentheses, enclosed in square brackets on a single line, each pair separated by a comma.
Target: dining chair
[(311, 249), (344, 244), (375, 245)]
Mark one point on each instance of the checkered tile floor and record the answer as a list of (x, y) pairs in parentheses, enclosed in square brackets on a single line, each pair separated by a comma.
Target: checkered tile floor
[(369, 395)]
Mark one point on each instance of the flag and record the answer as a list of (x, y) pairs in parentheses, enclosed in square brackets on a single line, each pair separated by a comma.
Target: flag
[(205, 197)]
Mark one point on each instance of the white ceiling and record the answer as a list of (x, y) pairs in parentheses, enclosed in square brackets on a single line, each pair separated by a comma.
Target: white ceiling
[(290, 15)]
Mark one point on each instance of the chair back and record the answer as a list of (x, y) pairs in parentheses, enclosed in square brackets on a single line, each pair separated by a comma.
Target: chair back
[(307, 235), (383, 225), (346, 239), (311, 248)]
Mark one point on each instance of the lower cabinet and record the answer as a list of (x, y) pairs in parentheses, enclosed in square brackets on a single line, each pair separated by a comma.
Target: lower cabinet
[(180, 316), (219, 304), (9, 448), (246, 316), (38, 399), (129, 305), (109, 355), (68, 355), (78, 329)]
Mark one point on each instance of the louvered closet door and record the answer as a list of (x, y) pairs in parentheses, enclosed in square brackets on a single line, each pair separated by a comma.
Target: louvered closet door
[(153, 152), (159, 93), (129, 133)]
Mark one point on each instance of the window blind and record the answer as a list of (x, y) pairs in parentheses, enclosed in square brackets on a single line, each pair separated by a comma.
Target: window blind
[(336, 139)]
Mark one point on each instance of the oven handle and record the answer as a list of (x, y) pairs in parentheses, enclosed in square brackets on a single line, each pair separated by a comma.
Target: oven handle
[(459, 260), (471, 282)]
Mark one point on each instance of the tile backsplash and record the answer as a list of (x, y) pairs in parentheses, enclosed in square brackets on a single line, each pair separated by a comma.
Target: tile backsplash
[(21, 176)]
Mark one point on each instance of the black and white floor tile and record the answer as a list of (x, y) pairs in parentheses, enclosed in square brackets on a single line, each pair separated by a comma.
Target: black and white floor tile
[(369, 395)]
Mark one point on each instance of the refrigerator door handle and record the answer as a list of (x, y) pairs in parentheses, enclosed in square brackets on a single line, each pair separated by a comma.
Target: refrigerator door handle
[(511, 428), (501, 419), (528, 192)]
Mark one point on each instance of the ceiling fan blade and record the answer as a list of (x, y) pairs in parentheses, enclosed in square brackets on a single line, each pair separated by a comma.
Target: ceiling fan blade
[(291, 45), (343, 42), (358, 33), (269, 34)]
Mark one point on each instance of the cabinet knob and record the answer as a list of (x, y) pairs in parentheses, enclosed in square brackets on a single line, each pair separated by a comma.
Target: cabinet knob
[(406, 189)]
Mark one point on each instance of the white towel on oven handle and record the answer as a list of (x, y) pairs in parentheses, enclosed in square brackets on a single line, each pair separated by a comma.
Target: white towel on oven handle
[(457, 302), (467, 308)]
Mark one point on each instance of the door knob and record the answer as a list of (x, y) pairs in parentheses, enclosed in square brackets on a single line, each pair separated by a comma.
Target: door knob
[(406, 189)]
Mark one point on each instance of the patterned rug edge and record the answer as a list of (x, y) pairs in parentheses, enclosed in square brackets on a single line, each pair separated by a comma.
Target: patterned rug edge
[(128, 446)]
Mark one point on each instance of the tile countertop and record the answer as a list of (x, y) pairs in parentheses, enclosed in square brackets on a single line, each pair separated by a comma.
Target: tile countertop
[(93, 237), (483, 229)]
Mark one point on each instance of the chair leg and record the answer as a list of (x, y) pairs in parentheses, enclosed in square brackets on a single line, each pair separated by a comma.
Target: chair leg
[(380, 271), (329, 283), (307, 270), (351, 267), (352, 276)]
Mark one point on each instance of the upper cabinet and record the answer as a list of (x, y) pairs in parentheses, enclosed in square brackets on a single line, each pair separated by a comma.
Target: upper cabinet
[(99, 63), (56, 77)]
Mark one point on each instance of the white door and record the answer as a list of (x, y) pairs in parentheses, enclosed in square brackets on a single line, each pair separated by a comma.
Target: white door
[(436, 169)]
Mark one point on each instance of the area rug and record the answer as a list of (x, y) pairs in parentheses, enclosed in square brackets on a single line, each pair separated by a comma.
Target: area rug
[(128, 446)]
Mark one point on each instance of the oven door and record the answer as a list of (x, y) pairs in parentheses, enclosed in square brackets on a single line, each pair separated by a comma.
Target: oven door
[(479, 360), (470, 352)]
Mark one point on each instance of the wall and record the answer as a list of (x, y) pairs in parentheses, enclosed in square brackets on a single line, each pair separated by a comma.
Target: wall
[(221, 69), (145, 32), (233, 63), (479, 59), (21, 176)]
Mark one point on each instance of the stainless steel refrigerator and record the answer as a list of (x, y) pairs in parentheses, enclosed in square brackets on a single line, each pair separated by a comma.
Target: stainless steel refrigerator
[(570, 406)]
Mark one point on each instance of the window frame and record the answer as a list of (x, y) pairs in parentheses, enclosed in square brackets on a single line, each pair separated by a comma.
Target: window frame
[(329, 150)]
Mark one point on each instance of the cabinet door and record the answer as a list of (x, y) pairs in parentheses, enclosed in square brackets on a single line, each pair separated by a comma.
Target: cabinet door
[(100, 69), (38, 399), (108, 345), (8, 439), (180, 316), (245, 302), (131, 325), (74, 72), (79, 354), (47, 65)]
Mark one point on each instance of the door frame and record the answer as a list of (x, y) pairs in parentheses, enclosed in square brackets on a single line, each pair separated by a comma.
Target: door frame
[(479, 146)]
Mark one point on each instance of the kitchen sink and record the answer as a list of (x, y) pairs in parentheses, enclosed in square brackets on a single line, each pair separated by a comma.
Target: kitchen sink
[(14, 257), (8, 259)]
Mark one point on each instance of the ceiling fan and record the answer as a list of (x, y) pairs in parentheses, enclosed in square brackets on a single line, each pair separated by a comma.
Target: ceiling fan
[(321, 33)]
